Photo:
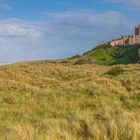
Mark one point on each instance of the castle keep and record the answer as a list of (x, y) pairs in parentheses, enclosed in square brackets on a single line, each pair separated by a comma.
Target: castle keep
[(128, 40)]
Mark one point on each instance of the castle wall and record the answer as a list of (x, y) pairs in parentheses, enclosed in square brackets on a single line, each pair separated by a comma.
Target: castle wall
[(120, 42), (137, 39), (132, 40), (128, 40)]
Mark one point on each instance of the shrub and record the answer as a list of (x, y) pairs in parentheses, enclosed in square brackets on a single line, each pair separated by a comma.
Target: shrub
[(115, 71), (64, 62), (81, 62), (75, 56)]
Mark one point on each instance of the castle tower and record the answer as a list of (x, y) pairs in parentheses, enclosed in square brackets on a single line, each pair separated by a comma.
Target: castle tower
[(137, 30)]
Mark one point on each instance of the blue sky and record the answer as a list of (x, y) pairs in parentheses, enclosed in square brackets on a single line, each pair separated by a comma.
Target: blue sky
[(52, 29)]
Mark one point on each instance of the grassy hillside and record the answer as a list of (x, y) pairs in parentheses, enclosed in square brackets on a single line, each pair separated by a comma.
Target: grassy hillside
[(108, 55), (59, 101)]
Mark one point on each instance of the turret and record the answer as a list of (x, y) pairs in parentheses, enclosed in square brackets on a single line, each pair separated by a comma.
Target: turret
[(137, 30)]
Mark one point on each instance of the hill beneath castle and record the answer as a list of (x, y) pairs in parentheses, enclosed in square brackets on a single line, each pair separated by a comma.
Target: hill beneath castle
[(108, 55)]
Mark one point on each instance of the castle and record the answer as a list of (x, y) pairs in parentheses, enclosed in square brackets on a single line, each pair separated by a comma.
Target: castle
[(128, 40)]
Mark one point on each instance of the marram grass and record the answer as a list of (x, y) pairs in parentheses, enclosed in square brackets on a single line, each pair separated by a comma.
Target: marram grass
[(44, 101)]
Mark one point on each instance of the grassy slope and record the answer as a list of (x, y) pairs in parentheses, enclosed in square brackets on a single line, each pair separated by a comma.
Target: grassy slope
[(44, 101), (108, 55)]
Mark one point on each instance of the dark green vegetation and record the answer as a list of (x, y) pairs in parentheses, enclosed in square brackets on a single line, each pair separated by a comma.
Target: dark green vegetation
[(108, 55), (115, 71), (62, 101)]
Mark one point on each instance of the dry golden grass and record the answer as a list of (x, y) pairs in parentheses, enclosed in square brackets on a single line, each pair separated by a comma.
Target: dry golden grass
[(55, 101)]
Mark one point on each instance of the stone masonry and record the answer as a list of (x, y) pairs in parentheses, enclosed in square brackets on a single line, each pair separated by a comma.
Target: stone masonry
[(128, 40)]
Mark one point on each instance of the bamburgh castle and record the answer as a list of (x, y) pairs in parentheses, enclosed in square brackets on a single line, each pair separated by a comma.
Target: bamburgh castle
[(128, 40)]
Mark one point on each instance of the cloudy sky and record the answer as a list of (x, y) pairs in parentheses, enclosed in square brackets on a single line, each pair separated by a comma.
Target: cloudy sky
[(51, 29)]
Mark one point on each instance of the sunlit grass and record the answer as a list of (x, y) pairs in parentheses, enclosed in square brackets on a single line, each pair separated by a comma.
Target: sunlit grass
[(58, 101)]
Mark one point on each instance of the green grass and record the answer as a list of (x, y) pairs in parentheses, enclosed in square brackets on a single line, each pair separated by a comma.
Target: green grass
[(108, 55), (62, 101)]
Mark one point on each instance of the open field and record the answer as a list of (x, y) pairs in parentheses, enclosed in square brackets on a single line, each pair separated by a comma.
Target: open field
[(58, 101)]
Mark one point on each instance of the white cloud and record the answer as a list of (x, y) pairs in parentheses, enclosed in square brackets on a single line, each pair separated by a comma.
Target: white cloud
[(89, 24), (63, 35), (5, 6), (135, 4), (18, 28)]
